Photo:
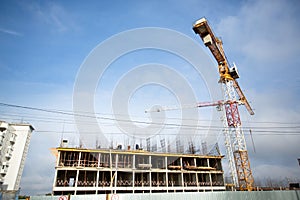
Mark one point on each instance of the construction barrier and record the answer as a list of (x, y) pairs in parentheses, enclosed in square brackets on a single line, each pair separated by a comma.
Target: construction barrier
[(254, 195), (9, 195)]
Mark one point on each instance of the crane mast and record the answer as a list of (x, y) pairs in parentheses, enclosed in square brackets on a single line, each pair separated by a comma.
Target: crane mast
[(235, 144)]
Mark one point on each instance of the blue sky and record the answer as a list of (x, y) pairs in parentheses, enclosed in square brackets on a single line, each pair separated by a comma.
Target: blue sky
[(44, 43)]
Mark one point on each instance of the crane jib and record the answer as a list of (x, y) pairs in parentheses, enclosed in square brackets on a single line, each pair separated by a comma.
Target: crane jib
[(202, 28)]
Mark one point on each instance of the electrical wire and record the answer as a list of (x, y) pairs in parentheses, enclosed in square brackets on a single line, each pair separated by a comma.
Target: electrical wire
[(172, 126), (95, 133), (259, 129), (93, 115)]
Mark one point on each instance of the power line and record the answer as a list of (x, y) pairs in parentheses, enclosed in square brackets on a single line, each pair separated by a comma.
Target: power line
[(71, 121), (257, 133), (185, 127)]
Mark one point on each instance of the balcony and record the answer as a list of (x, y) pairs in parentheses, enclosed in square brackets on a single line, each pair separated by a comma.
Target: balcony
[(10, 148), (2, 129), (3, 170), (8, 155), (12, 139)]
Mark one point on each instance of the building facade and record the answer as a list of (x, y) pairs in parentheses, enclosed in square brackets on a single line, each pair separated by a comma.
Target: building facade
[(14, 144), (102, 171)]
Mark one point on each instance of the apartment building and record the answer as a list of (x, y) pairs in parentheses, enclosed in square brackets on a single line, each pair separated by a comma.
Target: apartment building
[(14, 144)]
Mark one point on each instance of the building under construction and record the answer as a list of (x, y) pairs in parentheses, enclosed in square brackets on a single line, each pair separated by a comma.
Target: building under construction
[(98, 171), (102, 171)]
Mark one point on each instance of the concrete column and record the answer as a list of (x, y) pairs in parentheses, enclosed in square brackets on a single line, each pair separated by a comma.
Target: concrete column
[(55, 174), (182, 179), (150, 175), (79, 158), (166, 168), (77, 175)]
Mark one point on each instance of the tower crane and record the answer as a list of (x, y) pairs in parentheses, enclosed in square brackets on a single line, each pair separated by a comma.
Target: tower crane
[(236, 149)]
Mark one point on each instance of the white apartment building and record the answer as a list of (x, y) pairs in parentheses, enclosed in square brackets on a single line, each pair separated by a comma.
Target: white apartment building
[(14, 143)]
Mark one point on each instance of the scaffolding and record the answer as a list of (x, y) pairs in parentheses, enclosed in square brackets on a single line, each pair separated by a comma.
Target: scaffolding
[(86, 171)]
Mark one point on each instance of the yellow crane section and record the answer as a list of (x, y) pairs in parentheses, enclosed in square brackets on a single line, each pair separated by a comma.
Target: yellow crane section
[(215, 45)]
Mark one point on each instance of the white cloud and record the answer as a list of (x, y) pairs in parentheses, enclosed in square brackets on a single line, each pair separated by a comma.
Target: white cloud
[(39, 166), (275, 172), (274, 146), (263, 30), (10, 32), (52, 14)]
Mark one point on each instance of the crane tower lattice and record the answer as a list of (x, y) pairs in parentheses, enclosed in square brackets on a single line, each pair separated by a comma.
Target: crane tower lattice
[(236, 149)]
